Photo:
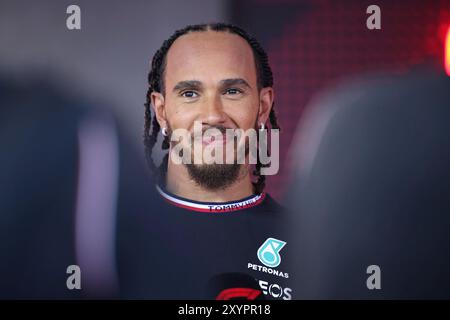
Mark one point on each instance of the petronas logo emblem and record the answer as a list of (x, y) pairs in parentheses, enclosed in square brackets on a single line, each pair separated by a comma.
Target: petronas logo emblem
[(269, 252)]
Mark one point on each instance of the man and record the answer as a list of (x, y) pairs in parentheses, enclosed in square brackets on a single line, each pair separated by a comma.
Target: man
[(220, 234), (218, 76)]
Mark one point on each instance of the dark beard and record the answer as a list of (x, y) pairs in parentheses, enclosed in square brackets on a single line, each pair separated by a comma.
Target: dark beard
[(214, 176)]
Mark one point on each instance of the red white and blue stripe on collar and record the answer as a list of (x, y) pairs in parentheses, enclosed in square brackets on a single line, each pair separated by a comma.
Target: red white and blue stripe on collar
[(213, 207)]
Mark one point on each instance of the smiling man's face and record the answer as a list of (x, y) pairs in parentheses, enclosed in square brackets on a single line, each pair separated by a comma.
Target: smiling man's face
[(210, 77)]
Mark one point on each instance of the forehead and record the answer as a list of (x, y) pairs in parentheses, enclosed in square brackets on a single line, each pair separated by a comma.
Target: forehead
[(210, 56)]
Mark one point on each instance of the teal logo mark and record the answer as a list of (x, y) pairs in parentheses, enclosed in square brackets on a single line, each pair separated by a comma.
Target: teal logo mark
[(269, 252)]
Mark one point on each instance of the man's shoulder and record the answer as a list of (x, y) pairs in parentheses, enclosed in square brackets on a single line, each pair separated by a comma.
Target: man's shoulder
[(270, 205)]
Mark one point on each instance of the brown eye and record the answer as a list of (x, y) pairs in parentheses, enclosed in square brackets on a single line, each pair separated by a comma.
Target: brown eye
[(233, 91), (189, 94)]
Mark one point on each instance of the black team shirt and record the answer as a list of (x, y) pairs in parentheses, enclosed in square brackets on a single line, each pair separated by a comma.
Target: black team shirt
[(184, 249)]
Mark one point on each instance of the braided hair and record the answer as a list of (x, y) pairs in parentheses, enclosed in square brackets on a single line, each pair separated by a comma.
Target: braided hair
[(156, 84)]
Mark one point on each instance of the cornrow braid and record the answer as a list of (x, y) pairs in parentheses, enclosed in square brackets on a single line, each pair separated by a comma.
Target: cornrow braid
[(156, 84)]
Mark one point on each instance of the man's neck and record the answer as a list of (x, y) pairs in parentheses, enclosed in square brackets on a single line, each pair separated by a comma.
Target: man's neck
[(181, 184)]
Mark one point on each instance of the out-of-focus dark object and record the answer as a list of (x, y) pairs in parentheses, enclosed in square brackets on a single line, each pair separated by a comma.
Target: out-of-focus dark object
[(38, 174), (372, 187), (68, 180)]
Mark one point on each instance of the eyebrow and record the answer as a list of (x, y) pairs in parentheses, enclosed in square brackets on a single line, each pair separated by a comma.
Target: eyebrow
[(195, 84), (234, 82), (187, 84)]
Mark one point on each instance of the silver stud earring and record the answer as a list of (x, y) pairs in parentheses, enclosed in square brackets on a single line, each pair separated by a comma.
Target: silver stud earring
[(164, 132), (262, 126)]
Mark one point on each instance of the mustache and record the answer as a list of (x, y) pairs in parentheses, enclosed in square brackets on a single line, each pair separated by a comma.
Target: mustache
[(221, 128)]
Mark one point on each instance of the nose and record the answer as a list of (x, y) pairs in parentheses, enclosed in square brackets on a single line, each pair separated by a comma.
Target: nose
[(213, 112)]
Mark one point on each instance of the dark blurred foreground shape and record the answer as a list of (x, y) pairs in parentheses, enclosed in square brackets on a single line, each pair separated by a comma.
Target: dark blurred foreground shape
[(68, 178), (372, 187)]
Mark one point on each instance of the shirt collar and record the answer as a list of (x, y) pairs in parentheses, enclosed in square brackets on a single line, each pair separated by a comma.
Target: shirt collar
[(212, 207)]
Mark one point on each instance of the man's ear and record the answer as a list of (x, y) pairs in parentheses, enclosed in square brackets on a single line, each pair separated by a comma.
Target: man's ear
[(159, 108), (266, 96)]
